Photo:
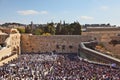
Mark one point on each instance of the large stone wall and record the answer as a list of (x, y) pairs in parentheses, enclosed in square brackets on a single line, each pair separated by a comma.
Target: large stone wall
[(102, 36), (105, 37), (34, 43), (98, 29)]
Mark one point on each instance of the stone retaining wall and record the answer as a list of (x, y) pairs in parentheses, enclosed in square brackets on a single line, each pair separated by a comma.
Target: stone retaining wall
[(35, 43)]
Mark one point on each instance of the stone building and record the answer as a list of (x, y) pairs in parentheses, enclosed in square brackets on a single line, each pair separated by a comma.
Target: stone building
[(9, 45)]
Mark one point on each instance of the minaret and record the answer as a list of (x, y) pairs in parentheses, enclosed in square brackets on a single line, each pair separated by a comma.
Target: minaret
[(60, 22), (32, 26), (64, 23)]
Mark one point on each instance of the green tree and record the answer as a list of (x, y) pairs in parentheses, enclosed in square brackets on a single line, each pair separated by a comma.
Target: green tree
[(68, 29), (58, 29), (65, 30), (21, 30), (28, 29), (37, 31), (50, 28), (77, 28)]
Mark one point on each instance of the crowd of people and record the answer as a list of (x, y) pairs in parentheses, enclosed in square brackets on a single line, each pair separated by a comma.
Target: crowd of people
[(56, 67)]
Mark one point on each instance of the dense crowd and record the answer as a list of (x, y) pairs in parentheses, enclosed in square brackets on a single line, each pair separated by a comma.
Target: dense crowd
[(56, 67)]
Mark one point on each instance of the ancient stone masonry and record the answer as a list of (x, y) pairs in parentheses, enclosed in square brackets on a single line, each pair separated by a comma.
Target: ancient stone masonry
[(10, 45), (59, 43), (102, 36)]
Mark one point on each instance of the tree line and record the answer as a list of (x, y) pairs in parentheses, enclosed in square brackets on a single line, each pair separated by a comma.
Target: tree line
[(55, 29), (50, 28)]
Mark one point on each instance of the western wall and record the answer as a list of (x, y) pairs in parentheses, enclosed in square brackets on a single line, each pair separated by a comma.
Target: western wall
[(58, 43)]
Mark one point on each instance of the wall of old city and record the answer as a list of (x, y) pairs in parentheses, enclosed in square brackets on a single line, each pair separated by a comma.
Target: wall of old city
[(102, 28), (101, 36), (35, 43), (105, 37)]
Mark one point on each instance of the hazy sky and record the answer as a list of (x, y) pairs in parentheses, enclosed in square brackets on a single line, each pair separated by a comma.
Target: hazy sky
[(43, 11)]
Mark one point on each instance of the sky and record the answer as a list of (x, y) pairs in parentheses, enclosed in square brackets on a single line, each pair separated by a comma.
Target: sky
[(43, 11)]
